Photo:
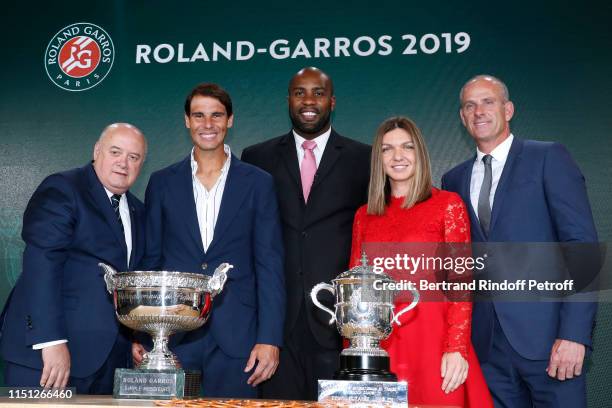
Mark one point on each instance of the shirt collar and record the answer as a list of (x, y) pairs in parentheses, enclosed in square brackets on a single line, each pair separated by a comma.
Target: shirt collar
[(224, 169), (500, 153), (321, 139), (110, 194)]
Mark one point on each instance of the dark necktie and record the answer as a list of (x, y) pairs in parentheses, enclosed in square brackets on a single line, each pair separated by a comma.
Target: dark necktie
[(115, 198), (484, 206)]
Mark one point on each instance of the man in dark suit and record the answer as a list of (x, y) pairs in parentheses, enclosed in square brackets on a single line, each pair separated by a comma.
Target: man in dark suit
[(321, 179), (211, 208), (524, 191), (59, 323)]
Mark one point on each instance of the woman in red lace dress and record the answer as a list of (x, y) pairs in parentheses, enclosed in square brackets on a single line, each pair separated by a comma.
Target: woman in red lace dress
[(432, 348)]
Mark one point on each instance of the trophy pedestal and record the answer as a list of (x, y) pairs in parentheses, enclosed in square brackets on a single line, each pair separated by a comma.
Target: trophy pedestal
[(156, 384), (363, 393), (364, 368)]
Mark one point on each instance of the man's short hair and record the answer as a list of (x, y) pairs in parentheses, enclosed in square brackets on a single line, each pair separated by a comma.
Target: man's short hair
[(504, 88), (213, 91)]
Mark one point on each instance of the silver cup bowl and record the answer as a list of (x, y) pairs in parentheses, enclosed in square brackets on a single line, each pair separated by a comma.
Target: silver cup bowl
[(359, 315), (362, 313), (162, 303)]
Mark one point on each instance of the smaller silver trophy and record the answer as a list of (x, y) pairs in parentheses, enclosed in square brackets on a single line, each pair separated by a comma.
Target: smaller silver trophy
[(161, 303), (364, 314)]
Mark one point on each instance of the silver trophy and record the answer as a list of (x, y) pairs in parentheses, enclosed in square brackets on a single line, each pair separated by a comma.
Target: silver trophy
[(161, 303), (364, 314)]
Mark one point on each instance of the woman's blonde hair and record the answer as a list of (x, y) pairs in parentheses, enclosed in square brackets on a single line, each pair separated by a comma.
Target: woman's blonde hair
[(380, 190)]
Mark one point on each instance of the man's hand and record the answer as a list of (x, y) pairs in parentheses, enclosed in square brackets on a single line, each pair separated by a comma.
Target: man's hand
[(566, 359), (266, 358), (138, 352), (454, 370), (56, 366)]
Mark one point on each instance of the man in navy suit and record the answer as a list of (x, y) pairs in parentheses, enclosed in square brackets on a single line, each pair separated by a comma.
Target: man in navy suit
[(524, 191), (211, 208), (59, 323)]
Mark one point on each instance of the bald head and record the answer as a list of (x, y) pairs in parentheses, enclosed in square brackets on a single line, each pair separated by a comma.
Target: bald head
[(118, 156), (125, 128), (312, 72), (490, 79)]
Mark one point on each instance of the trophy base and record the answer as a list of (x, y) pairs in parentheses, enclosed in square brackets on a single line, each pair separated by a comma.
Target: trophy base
[(364, 368), (340, 393), (156, 384)]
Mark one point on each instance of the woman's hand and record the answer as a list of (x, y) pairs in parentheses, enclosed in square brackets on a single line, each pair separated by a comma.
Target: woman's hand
[(454, 371)]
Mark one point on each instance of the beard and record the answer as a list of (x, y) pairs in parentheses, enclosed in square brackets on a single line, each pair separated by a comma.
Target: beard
[(310, 128)]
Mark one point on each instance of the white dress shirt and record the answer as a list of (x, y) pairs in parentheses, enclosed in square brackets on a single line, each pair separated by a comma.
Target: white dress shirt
[(208, 202), (318, 151), (500, 155), (124, 213)]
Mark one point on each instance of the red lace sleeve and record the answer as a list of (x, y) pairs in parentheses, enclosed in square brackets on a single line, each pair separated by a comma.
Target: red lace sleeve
[(358, 227), (457, 230), (456, 221)]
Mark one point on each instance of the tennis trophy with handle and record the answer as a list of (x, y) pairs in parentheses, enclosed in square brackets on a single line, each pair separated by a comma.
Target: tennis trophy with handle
[(364, 314), (161, 303)]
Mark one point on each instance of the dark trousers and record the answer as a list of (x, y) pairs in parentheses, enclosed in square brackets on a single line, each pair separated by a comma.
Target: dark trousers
[(99, 383), (222, 375), (302, 362), (516, 382)]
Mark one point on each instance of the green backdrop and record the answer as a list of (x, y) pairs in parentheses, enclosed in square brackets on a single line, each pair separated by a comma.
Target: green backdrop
[(554, 57)]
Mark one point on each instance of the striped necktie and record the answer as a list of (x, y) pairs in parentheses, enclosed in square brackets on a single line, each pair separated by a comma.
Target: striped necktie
[(115, 198)]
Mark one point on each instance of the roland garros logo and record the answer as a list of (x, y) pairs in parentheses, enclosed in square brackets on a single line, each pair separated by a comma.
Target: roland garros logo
[(79, 56)]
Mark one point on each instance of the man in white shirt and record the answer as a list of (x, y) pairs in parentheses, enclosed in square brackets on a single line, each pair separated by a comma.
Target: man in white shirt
[(60, 327), (211, 208), (524, 191)]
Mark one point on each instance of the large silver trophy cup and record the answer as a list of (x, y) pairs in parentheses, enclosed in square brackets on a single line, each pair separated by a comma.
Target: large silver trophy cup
[(161, 303), (364, 314)]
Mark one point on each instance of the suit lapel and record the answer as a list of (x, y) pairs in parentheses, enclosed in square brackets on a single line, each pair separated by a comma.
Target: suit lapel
[(289, 154), (502, 186), (465, 187), (286, 173), (134, 221), (465, 193), (102, 202), (234, 193), (182, 197), (330, 156)]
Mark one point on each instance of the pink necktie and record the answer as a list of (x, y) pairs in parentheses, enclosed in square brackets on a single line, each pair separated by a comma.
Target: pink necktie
[(308, 168)]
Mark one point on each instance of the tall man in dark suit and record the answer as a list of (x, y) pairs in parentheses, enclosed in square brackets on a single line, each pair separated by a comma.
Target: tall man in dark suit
[(211, 208), (524, 191), (321, 179), (60, 326)]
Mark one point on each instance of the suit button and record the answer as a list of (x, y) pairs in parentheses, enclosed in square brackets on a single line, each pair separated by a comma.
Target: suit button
[(204, 265), (300, 272), (304, 234)]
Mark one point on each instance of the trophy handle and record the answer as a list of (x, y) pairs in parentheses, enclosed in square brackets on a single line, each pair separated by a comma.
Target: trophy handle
[(415, 300), (109, 276), (217, 281), (313, 295)]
